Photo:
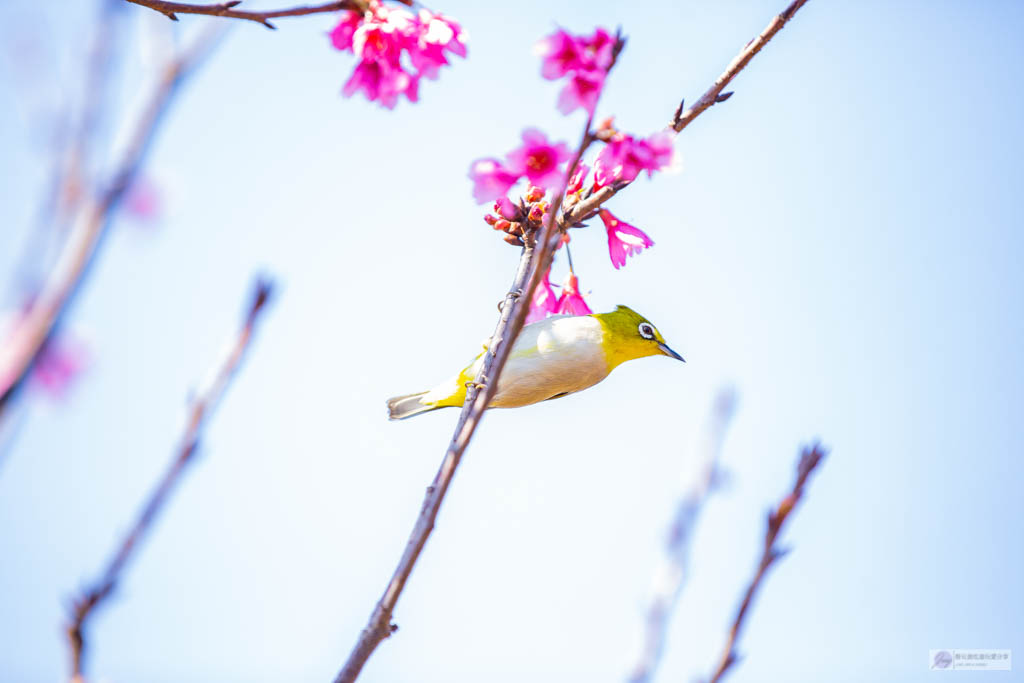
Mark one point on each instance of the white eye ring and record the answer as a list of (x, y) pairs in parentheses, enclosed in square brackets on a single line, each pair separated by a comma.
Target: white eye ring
[(646, 331)]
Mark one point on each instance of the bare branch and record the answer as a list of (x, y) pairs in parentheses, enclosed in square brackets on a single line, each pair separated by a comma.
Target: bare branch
[(202, 405), (682, 118), (90, 221), (226, 9), (671, 574), (714, 93), (809, 459)]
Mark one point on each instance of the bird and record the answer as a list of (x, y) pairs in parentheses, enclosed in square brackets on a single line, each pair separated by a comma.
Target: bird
[(551, 358)]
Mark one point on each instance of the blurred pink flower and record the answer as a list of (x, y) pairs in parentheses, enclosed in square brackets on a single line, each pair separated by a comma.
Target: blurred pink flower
[(58, 364), (142, 201), (581, 92), (576, 182), (491, 180), (382, 82), (571, 302), (624, 240), (506, 209), (584, 59), (560, 53), (624, 157), (539, 160), (381, 35), (544, 301), (437, 34)]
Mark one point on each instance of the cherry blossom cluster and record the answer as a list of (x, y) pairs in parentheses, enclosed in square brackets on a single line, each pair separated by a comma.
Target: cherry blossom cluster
[(584, 61), (395, 48)]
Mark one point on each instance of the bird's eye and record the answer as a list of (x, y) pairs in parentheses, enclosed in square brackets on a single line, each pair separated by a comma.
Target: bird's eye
[(646, 331)]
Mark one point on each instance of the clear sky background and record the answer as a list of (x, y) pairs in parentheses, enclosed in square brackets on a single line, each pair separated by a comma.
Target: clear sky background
[(843, 246)]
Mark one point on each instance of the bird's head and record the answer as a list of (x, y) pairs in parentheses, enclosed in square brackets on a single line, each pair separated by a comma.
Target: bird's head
[(629, 335)]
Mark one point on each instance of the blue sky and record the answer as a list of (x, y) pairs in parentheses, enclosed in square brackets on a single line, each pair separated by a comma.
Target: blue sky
[(842, 246)]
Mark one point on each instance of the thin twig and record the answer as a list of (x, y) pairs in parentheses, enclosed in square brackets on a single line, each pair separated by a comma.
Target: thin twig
[(201, 407), (589, 206), (537, 250), (19, 350), (809, 459), (226, 9), (714, 94), (671, 574)]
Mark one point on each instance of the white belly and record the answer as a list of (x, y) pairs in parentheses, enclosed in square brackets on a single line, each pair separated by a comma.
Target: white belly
[(558, 355)]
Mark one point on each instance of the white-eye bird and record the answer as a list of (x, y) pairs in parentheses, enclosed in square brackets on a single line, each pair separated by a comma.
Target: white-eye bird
[(553, 357)]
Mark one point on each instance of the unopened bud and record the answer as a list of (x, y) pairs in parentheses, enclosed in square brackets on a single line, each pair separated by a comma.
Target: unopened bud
[(535, 194), (490, 219), (513, 239), (501, 224), (607, 124), (515, 229)]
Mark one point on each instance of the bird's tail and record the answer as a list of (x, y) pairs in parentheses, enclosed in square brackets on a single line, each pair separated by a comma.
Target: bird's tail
[(401, 407)]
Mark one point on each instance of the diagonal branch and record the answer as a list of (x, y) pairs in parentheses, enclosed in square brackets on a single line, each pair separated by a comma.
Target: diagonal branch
[(714, 94), (588, 207), (202, 405), (533, 263), (537, 251), (227, 9), (19, 350), (671, 574), (809, 459)]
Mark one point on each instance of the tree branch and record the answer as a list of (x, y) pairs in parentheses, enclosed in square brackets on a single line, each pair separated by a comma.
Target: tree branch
[(538, 248), (535, 258), (226, 9), (588, 207), (90, 222), (671, 574), (714, 94), (809, 459), (202, 405)]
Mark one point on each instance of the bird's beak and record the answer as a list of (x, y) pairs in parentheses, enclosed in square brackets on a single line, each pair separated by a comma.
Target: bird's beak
[(669, 352)]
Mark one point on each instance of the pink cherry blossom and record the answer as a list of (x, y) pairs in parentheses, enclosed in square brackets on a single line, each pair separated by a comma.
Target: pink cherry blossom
[(381, 36), (585, 60), (571, 302), (624, 240), (576, 182), (382, 82), (581, 92), (624, 157), (490, 180), (544, 301), (539, 160), (341, 36), (560, 53)]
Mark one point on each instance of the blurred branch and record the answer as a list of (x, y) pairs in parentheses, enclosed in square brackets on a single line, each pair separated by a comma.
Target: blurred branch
[(588, 207), (537, 250), (809, 459), (226, 9), (88, 225), (201, 407), (671, 574)]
